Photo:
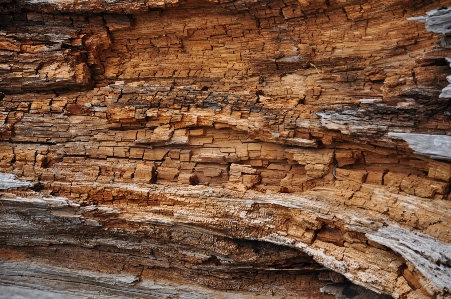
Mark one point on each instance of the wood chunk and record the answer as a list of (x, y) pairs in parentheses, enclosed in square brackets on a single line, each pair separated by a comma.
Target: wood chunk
[(155, 154), (331, 235), (439, 170), (144, 172), (239, 169), (185, 155), (347, 157), (351, 175)]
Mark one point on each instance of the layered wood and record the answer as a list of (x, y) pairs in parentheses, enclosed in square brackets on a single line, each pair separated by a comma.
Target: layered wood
[(259, 147)]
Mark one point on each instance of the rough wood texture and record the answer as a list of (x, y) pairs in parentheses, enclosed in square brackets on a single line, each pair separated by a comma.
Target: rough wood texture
[(288, 149)]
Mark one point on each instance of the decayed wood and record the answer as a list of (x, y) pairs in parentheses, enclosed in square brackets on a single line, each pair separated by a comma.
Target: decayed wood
[(232, 148)]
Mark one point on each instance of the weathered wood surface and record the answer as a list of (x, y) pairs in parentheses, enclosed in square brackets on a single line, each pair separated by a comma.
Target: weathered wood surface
[(256, 147)]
